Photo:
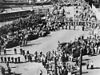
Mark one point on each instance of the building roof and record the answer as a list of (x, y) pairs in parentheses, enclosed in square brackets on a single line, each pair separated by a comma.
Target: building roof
[(19, 9)]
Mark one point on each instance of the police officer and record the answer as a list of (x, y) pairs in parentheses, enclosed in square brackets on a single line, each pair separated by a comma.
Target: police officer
[(0, 51), (82, 28), (9, 70), (5, 52), (30, 58), (28, 52), (15, 60), (69, 26), (25, 56), (12, 59), (87, 65), (7, 64), (15, 51), (8, 59), (74, 25), (21, 51), (5, 59), (66, 24), (2, 59), (2, 71), (18, 59)]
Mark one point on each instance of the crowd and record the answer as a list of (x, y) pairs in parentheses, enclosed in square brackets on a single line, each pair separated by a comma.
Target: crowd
[(23, 30), (33, 27), (64, 60)]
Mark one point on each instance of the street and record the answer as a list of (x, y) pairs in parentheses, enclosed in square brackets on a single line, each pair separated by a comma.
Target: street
[(50, 42), (43, 44), (46, 44)]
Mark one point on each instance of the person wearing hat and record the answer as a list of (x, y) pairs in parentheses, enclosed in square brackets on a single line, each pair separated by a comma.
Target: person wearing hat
[(18, 59), (12, 59), (15, 51), (5, 59), (8, 59), (15, 60), (21, 51), (2, 70), (83, 28), (28, 52), (2, 59), (5, 52), (64, 71)]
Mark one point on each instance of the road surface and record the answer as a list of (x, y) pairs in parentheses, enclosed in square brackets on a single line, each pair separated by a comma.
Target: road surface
[(43, 44), (50, 42)]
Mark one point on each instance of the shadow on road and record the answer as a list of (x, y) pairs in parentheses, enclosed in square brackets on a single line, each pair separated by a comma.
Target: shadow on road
[(96, 68), (13, 74), (85, 59), (32, 44), (84, 72)]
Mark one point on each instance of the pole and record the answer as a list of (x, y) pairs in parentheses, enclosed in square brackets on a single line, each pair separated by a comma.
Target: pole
[(55, 66), (81, 61)]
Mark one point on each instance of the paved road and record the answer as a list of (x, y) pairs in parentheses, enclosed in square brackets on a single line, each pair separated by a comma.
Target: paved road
[(43, 44), (50, 42)]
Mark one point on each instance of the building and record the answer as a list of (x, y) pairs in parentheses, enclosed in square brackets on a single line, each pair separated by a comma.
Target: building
[(39, 1)]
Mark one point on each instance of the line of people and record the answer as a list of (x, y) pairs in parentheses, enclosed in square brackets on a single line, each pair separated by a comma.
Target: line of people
[(66, 58), (33, 27)]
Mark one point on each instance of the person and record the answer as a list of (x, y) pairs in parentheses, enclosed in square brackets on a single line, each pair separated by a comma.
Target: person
[(69, 70), (0, 50), (2, 71), (25, 39), (69, 73), (74, 25), (91, 64), (21, 51), (64, 71), (8, 59), (69, 26), (19, 60), (41, 72), (9, 70), (2, 59), (5, 52), (36, 56), (12, 59), (5, 59), (25, 56), (87, 65), (15, 51), (29, 58), (28, 52), (7, 64), (15, 60), (82, 28)]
